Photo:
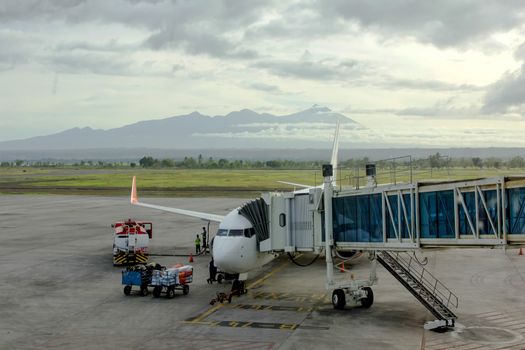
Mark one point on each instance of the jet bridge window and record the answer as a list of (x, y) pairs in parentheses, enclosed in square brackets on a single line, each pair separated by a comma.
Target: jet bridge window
[(282, 220), (436, 212), (516, 210)]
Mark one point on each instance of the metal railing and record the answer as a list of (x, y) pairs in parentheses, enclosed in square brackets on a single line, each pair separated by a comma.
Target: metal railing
[(425, 278)]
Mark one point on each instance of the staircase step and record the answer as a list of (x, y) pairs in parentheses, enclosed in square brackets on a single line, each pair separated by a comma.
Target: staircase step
[(407, 275)]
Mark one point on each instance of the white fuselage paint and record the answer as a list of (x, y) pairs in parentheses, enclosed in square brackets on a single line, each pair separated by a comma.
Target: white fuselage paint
[(237, 254)]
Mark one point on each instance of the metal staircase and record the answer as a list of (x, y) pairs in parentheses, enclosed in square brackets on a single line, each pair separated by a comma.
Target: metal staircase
[(433, 294)]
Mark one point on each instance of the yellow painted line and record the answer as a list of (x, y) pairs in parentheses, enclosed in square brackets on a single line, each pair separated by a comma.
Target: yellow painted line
[(202, 316), (268, 275), (204, 323), (207, 313)]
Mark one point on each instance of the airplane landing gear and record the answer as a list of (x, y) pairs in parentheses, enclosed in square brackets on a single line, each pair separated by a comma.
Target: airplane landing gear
[(238, 287)]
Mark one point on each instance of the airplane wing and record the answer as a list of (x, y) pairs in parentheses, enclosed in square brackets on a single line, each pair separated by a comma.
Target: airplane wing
[(195, 214), (295, 184)]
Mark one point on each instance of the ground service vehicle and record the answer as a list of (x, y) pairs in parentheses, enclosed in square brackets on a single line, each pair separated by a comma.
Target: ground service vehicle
[(131, 242)]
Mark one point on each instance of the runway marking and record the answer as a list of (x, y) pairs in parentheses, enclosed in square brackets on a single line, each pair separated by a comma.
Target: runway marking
[(208, 312), (517, 327), (513, 321), (248, 324), (260, 325), (273, 308), (264, 278), (300, 298), (218, 344)]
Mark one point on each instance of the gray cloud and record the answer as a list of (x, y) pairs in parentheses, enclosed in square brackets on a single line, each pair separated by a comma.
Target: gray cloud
[(354, 73), (434, 85), (508, 93), (198, 43), (112, 45), (443, 109), (440, 111), (199, 27), (443, 23), (265, 87), (91, 63), (314, 70), (14, 49), (229, 28)]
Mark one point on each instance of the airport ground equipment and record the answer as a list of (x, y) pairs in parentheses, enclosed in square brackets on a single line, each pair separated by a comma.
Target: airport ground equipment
[(131, 242), (169, 280), (136, 276)]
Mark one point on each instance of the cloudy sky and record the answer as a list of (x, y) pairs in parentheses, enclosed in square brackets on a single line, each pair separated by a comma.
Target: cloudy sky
[(414, 73)]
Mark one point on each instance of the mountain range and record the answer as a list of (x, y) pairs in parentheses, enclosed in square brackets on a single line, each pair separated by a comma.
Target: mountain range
[(241, 129), (244, 134)]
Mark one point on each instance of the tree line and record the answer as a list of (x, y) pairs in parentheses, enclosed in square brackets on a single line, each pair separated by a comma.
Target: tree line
[(433, 161), (210, 163)]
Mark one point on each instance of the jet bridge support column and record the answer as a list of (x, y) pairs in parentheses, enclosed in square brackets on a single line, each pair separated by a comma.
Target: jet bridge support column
[(328, 226)]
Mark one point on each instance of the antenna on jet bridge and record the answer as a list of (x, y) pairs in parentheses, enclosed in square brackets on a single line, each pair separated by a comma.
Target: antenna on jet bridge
[(335, 153)]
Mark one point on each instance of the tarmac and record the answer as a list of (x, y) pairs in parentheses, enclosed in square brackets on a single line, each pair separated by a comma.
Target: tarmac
[(61, 291)]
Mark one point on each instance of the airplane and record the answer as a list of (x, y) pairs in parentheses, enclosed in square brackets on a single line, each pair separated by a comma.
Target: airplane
[(234, 248)]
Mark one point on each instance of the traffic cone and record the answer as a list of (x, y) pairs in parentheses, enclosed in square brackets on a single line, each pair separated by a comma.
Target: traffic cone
[(191, 257), (521, 251), (342, 267)]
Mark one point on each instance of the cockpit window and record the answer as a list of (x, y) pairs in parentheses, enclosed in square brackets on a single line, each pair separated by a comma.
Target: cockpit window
[(236, 233), (222, 232)]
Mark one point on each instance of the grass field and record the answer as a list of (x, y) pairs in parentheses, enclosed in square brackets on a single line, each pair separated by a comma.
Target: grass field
[(202, 182)]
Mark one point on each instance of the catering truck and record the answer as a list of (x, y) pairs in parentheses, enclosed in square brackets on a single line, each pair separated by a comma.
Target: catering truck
[(131, 242)]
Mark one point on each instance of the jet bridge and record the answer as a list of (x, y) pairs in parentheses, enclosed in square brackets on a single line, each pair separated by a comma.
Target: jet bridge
[(486, 212), (295, 221), (390, 220)]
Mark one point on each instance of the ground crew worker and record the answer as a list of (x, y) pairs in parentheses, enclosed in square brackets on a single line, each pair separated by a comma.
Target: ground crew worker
[(204, 245), (197, 244), (213, 271)]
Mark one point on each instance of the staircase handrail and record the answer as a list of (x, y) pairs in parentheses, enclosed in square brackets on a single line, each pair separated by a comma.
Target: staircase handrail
[(431, 283)]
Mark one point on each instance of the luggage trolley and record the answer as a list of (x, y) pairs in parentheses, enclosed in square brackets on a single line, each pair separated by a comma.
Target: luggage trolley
[(169, 280), (136, 276)]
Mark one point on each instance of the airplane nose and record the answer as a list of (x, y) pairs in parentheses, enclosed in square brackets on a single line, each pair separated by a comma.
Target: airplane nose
[(229, 255)]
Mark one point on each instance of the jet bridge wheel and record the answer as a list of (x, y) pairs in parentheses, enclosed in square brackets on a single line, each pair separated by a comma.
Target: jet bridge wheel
[(338, 299), (369, 300)]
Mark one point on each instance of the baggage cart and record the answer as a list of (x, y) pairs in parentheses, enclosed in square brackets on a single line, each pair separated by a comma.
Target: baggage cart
[(169, 280), (136, 277)]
